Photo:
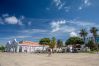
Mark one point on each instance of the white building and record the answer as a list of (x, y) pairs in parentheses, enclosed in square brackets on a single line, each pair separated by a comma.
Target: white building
[(24, 46)]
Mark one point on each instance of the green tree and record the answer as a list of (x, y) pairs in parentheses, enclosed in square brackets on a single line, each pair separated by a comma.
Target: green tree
[(74, 41), (91, 45), (83, 33), (44, 41), (2, 48), (94, 30), (53, 43), (59, 43)]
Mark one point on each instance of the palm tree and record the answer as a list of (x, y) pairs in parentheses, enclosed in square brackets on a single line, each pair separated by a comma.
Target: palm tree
[(83, 33), (53, 43), (94, 30), (59, 43)]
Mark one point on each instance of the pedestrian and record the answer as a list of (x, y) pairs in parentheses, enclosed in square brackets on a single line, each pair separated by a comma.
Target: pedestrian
[(49, 51)]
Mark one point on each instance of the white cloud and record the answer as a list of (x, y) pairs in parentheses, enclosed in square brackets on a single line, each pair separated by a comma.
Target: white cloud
[(33, 31), (62, 25), (39, 30), (82, 23), (66, 26), (59, 4), (80, 8), (63, 30), (21, 36), (73, 34), (13, 37), (7, 19), (48, 9), (85, 3), (67, 29), (22, 17), (55, 25), (20, 23), (30, 33), (29, 23), (67, 9), (11, 20)]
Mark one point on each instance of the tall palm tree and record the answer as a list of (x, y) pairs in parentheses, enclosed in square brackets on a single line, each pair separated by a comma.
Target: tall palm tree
[(94, 30), (53, 43), (83, 33), (59, 43)]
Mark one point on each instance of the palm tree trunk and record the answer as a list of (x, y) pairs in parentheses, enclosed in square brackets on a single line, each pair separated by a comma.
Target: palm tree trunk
[(96, 43), (84, 40), (94, 40)]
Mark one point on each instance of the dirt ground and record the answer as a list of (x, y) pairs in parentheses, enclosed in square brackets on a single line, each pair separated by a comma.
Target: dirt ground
[(59, 59)]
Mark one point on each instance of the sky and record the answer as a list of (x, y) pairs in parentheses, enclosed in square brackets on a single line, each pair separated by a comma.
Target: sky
[(31, 20)]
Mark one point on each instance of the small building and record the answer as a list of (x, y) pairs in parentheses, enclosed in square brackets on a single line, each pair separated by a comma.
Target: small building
[(24, 46)]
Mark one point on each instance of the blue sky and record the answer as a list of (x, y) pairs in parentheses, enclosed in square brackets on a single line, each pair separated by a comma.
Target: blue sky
[(34, 19)]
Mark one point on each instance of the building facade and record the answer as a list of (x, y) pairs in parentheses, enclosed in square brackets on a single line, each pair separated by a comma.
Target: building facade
[(24, 46)]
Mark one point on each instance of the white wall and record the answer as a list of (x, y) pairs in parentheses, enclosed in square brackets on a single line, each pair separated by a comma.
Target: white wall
[(26, 48)]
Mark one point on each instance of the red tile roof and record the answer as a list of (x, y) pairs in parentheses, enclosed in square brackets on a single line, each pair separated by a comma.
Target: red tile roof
[(30, 43)]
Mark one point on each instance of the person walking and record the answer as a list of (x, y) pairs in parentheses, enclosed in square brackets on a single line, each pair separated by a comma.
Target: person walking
[(49, 52)]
